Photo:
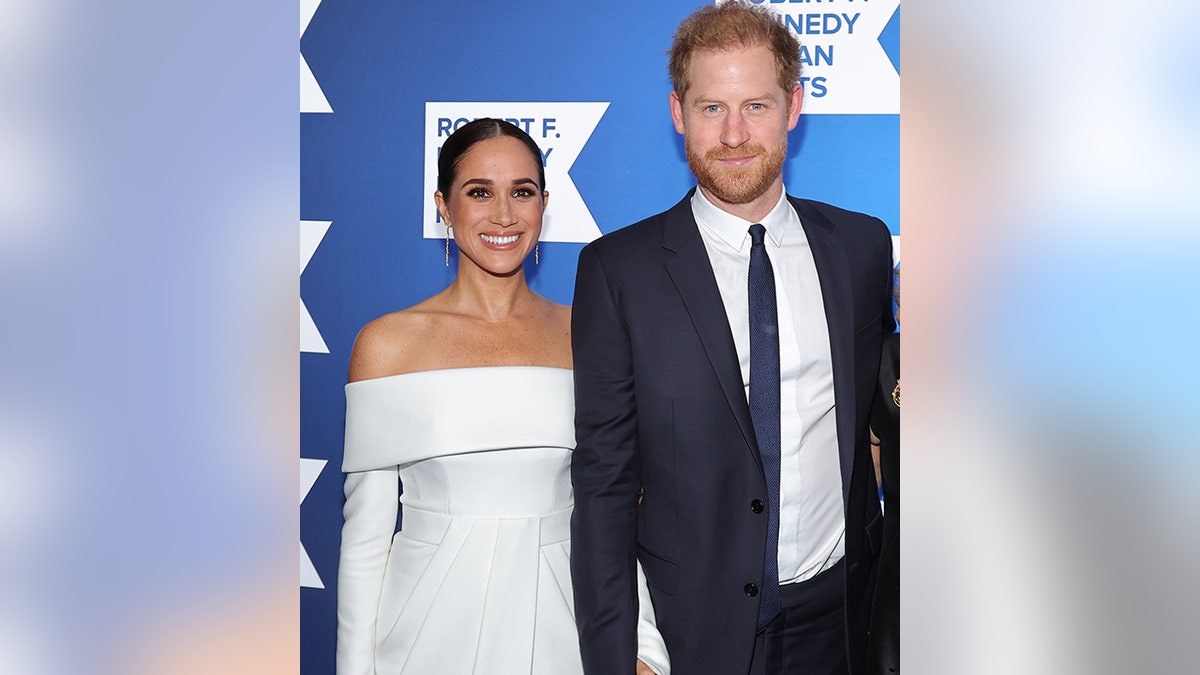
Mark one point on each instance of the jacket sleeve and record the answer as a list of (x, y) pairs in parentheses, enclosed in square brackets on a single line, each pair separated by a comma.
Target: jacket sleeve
[(372, 503), (606, 476)]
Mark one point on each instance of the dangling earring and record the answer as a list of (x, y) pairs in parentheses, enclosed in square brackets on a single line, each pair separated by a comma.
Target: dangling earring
[(535, 253), (447, 243)]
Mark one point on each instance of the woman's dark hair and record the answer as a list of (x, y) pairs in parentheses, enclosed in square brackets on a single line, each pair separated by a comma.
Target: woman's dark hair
[(466, 136)]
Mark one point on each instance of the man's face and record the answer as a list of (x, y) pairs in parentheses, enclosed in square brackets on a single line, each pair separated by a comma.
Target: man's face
[(735, 119)]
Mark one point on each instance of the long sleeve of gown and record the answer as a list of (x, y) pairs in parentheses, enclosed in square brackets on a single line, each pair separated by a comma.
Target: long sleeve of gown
[(372, 502)]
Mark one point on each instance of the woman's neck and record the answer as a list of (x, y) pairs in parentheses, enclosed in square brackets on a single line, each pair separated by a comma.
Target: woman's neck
[(490, 297)]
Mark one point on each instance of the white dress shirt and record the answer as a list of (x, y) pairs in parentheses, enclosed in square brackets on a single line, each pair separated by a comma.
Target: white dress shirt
[(812, 522)]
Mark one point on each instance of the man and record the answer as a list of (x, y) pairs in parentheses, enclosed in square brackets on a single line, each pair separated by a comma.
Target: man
[(674, 324)]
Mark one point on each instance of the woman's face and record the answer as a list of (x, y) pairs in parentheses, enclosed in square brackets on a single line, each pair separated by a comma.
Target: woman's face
[(495, 205)]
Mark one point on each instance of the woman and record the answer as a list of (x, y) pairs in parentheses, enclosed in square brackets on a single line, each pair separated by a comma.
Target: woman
[(467, 399)]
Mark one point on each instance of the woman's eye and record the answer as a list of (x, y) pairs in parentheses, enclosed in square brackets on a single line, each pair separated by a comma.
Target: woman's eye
[(478, 193), (523, 193)]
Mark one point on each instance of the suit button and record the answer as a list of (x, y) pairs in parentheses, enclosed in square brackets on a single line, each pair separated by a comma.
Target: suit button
[(756, 506), (751, 590)]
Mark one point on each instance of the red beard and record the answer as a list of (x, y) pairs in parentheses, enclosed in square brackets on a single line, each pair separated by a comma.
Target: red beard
[(737, 185)]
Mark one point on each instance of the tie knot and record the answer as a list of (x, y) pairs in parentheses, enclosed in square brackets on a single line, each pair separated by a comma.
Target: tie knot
[(757, 232)]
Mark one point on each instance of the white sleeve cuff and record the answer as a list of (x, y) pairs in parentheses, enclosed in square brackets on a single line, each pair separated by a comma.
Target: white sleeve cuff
[(652, 650)]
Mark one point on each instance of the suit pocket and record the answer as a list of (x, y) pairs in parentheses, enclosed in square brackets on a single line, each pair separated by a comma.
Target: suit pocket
[(657, 455), (660, 572), (871, 324)]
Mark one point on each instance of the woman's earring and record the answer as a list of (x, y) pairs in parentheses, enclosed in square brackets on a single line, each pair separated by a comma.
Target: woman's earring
[(535, 253), (447, 243)]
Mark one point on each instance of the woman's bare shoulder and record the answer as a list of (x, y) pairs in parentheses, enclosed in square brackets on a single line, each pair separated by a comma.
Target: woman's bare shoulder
[(557, 335), (562, 316), (562, 311), (392, 344)]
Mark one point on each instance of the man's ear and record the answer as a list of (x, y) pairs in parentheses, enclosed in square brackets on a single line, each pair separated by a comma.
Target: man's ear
[(677, 112), (795, 102)]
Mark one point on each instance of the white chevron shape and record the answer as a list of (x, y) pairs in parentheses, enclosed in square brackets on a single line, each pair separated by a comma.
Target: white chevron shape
[(309, 470), (307, 9), (311, 234), (312, 97)]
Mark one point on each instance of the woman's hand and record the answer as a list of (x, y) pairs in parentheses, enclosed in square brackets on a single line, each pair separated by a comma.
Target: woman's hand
[(643, 669)]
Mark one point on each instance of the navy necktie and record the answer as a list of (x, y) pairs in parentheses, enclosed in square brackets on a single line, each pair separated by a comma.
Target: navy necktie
[(764, 407)]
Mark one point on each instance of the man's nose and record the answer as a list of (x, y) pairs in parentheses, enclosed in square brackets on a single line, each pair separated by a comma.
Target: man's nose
[(734, 131)]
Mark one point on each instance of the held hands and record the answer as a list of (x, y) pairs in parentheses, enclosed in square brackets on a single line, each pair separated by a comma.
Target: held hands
[(643, 669)]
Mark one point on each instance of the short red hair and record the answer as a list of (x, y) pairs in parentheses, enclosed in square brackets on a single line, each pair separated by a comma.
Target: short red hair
[(733, 26)]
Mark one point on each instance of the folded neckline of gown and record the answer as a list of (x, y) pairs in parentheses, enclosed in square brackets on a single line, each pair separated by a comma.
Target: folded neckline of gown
[(453, 370), (398, 419)]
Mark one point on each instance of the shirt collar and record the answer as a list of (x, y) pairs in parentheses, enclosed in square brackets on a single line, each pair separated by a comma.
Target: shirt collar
[(735, 231)]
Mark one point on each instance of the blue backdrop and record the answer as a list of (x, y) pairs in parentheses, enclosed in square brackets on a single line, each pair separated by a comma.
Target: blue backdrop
[(368, 71)]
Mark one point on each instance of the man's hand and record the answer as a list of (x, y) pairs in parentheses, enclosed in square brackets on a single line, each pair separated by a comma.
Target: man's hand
[(643, 669)]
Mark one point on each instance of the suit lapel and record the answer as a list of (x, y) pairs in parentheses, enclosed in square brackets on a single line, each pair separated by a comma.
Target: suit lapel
[(833, 270), (690, 269)]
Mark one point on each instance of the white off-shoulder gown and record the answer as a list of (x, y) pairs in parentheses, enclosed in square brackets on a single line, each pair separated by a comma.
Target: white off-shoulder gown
[(478, 579)]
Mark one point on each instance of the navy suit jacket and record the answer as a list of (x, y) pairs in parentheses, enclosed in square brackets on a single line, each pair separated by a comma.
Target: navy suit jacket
[(661, 414)]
